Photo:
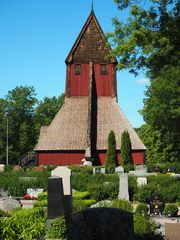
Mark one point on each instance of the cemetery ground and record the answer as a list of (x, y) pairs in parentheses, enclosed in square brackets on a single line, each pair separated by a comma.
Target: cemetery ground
[(23, 213)]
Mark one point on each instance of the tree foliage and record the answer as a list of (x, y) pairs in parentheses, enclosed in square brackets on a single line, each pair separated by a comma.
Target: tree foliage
[(24, 114), (126, 149), (149, 41), (111, 155)]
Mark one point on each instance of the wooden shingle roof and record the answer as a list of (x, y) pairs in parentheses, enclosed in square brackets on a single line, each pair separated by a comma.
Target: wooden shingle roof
[(90, 45), (68, 130)]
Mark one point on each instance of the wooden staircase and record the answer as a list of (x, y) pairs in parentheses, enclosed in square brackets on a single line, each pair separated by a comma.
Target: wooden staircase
[(28, 159)]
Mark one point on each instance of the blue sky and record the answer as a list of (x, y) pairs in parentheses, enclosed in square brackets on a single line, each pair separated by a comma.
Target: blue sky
[(36, 37)]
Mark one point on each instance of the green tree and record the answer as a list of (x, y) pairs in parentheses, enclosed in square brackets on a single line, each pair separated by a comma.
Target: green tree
[(126, 150), (111, 154), (19, 107), (25, 116), (149, 41), (46, 110)]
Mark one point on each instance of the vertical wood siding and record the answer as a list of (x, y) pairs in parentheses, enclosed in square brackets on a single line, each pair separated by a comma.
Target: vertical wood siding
[(70, 158)]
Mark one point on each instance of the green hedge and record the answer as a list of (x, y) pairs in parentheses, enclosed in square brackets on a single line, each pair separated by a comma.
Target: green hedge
[(171, 210), (17, 187), (23, 224), (57, 229)]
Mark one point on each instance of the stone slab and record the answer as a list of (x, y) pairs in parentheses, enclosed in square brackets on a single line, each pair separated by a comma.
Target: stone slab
[(64, 173), (123, 187), (141, 181), (7, 204)]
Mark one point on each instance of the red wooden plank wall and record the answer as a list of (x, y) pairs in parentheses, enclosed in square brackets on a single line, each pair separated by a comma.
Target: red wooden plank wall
[(79, 84), (103, 82), (70, 158)]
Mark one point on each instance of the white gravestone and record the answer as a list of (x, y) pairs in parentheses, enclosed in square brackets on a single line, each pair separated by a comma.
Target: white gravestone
[(65, 174), (34, 192), (119, 169), (1, 167), (141, 181), (123, 187)]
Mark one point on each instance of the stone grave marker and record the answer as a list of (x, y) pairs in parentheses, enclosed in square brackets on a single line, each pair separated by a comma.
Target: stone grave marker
[(65, 173), (34, 192), (141, 181), (1, 167), (97, 170), (119, 169), (123, 186), (7, 204), (100, 224), (156, 205), (3, 193), (55, 198)]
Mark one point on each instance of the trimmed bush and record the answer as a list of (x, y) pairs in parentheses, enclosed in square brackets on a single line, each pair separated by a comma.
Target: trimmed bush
[(142, 209), (81, 195), (80, 204), (171, 210), (126, 151), (122, 204), (57, 229), (42, 196), (24, 224), (111, 155), (144, 228)]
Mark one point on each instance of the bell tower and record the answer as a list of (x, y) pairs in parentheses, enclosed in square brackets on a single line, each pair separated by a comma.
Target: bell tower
[(90, 46)]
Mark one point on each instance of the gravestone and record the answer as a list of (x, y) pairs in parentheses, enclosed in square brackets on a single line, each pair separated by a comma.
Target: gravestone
[(97, 170), (141, 181), (156, 205), (100, 224), (119, 169), (65, 173), (3, 193), (55, 198), (34, 192), (123, 187), (7, 204), (1, 167)]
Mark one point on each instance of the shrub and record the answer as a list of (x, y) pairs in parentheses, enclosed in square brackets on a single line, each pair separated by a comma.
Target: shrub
[(42, 196), (171, 210), (97, 192), (81, 195), (144, 228), (142, 209), (122, 204), (80, 204), (111, 155), (24, 224), (126, 149), (57, 229), (41, 204), (145, 192)]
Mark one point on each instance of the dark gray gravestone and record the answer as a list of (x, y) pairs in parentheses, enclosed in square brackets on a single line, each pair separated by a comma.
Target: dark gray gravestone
[(55, 197), (100, 224), (156, 205)]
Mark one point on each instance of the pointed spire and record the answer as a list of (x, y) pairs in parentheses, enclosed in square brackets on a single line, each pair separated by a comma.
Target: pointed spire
[(92, 6)]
